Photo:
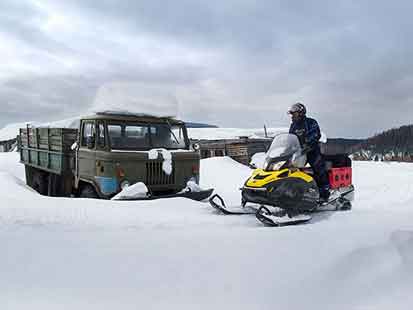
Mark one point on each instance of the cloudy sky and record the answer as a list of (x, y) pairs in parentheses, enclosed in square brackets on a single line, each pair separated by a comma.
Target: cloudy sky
[(231, 63)]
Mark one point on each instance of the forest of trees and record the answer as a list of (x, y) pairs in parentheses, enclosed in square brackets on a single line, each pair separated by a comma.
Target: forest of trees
[(396, 140), (393, 144)]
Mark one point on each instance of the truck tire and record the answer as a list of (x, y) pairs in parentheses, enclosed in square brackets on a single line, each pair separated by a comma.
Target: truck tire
[(87, 191), (40, 182), (29, 175)]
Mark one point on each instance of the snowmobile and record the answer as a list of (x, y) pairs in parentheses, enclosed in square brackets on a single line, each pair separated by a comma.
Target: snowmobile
[(284, 191)]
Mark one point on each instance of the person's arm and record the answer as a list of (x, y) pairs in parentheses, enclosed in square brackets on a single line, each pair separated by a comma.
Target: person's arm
[(313, 134)]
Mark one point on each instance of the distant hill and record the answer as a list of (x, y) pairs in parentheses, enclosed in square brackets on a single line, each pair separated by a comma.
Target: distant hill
[(199, 125), (396, 139), (392, 144)]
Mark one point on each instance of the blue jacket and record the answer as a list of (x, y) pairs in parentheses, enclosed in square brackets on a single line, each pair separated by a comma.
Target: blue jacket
[(307, 131)]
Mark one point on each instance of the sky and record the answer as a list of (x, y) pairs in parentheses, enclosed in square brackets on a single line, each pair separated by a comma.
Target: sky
[(230, 63)]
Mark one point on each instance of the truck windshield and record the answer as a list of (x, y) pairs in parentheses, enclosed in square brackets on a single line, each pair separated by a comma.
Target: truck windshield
[(134, 136)]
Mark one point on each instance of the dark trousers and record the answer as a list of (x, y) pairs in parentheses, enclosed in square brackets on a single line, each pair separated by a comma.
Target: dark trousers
[(317, 163)]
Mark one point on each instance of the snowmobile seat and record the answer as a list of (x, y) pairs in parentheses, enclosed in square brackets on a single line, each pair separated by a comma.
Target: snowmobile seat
[(337, 161)]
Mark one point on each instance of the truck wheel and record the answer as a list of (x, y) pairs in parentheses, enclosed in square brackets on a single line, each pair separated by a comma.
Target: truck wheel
[(88, 191), (39, 183), (29, 175)]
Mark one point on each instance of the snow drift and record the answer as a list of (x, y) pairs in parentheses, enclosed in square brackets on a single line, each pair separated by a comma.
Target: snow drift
[(180, 254)]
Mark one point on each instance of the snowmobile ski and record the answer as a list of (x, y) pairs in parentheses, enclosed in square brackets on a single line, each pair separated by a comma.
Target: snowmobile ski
[(218, 203), (265, 216), (335, 203)]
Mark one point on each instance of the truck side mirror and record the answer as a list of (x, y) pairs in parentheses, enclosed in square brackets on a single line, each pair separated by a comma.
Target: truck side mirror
[(74, 146)]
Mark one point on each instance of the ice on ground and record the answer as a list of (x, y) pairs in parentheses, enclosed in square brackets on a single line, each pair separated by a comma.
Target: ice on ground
[(134, 191)]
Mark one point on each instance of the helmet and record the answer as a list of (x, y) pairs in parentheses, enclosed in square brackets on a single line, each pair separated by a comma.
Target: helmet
[(298, 107)]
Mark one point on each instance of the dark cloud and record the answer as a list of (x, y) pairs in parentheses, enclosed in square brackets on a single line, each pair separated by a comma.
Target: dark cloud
[(52, 97), (234, 63), (20, 21), (246, 24), (44, 98)]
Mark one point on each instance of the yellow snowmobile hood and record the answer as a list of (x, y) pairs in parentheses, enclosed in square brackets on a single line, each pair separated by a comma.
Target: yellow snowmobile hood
[(260, 177)]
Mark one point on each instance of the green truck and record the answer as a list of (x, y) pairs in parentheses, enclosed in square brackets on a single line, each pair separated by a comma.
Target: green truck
[(110, 151)]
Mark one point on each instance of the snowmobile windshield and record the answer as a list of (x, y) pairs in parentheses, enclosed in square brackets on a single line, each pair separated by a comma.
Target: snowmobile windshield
[(284, 145), (285, 150)]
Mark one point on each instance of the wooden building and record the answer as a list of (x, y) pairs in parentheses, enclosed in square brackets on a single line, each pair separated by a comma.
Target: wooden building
[(241, 149)]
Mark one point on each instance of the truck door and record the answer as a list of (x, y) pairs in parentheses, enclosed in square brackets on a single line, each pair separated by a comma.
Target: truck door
[(101, 150), (87, 152)]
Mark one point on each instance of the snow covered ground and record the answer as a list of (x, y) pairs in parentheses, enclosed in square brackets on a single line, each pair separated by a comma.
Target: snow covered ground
[(179, 254)]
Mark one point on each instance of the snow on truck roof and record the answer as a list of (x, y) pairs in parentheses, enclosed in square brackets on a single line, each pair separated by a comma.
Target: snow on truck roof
[(11, 131), (132, 114)]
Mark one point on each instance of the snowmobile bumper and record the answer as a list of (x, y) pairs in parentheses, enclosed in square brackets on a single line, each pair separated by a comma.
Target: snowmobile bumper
[(198, 196), (257, 195)]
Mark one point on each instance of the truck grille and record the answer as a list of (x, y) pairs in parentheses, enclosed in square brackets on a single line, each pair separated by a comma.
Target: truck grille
[(156, 176)]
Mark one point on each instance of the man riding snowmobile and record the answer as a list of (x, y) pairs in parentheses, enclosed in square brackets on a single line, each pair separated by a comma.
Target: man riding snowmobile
[(308, 133), (285, 191)]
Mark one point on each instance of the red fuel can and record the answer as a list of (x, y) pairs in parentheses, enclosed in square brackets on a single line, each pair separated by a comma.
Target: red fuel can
[(340, 177)]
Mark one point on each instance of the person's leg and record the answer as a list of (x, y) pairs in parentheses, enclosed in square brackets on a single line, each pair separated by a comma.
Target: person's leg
[(317, 163)]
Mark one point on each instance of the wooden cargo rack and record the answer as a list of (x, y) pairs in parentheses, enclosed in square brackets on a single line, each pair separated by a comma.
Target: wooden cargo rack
[(48, 149)]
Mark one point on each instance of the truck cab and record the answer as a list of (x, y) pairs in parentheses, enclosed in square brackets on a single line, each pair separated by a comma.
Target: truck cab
[(115, 150)]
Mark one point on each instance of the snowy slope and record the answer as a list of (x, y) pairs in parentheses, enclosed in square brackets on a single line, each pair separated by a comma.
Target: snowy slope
[(179, 254), (11, 131)]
